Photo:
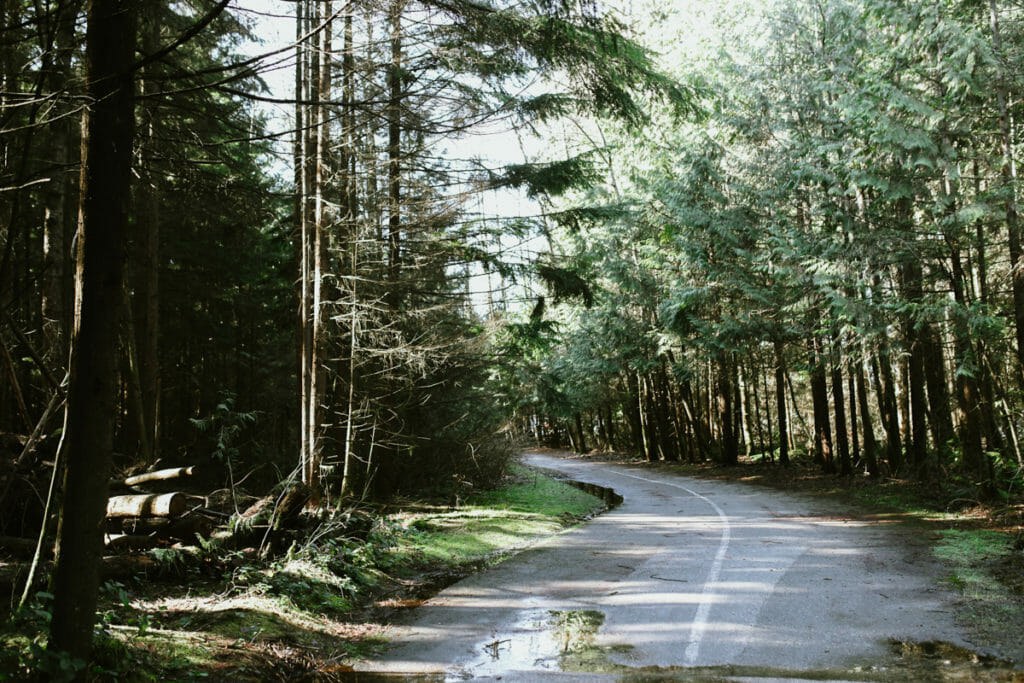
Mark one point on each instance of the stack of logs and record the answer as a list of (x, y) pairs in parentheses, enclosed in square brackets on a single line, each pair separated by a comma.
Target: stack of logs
[(144, 520), (144, 515)]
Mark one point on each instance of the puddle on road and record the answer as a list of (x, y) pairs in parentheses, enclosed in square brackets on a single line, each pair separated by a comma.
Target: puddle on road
[(559, 642), (543, 640), (939, 661)]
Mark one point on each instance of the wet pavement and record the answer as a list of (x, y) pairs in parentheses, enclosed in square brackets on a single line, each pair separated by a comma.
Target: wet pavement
[(689, 579)]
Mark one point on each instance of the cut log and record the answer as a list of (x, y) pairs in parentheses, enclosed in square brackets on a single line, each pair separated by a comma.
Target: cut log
[(151, 505), (185, 528), (159, 475), (121, 542)]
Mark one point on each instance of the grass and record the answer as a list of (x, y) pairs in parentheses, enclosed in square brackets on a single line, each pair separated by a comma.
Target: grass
[(980, 563), (530, 506)]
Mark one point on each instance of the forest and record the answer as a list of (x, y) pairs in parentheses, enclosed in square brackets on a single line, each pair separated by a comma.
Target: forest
[(780, 231)]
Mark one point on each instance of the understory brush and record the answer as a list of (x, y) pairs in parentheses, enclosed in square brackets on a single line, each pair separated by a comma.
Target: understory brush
[(232, 613)]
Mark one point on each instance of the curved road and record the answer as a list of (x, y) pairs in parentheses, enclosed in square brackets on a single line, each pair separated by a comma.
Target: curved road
[(686, 575)]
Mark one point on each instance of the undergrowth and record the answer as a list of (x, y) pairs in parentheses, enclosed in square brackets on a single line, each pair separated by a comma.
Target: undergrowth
[(212, 612)]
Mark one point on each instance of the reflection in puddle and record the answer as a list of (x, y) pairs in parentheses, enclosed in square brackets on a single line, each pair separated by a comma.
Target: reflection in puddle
[(539, 642)]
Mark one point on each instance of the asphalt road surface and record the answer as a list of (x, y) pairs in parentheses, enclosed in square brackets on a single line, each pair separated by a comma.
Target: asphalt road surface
[(687, 576)]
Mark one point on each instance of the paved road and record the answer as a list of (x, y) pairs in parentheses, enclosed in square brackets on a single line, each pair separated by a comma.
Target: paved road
[(686, 575)]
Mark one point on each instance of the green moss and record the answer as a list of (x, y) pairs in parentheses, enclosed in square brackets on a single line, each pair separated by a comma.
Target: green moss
[(989, 606), (533, 505)]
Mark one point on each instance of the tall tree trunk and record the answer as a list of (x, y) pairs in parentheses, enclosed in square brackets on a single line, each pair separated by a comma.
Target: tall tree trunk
[(780, 401), (819, 398), (394, 114), (667, 426), (144, 333), (885, 393), (870, 448), (699, 426), (582, 442), (321, 129), (727, 409), (609, 421), (350, 204), (939, 415), (912, 336), (648, 421), (765, 427), (631, 409), (743, 390), (903, 405), (968, 369), (57, 64), (852, 398), (303, 238), (839, 406), (105, 187)]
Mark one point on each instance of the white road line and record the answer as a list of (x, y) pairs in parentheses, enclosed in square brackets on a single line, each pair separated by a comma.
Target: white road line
[(700, 619)]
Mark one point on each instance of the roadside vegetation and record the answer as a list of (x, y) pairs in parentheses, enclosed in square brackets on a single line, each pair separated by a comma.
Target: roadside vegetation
[(233, 615)]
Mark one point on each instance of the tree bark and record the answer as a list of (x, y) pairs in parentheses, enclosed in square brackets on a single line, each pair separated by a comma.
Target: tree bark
[(939, 415), (819, 397), (394, 114), (145, 330), (839, 407), (780, 401), (317, 386), (870, 448), (912, 336), (968, 370), (103, 216), (726, 410), (885, 393), (55, 311), (852, 394)]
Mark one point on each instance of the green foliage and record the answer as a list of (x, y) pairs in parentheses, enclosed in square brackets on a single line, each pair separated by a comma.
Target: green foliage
[(553, 179), (24, 653), (225, 426)]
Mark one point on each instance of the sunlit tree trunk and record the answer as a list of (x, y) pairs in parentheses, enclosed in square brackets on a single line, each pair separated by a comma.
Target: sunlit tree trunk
[(320, 130), (394, 115), (780, 401), (870, 447), (918, 446), (302, 228), (838, 404)]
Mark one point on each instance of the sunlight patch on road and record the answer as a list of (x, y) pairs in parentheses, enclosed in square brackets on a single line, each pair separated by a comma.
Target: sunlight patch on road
[(700, 619)]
